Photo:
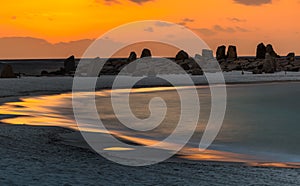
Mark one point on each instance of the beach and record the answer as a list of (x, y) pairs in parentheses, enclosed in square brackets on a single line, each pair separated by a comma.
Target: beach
[(37, 155), (58, 155)]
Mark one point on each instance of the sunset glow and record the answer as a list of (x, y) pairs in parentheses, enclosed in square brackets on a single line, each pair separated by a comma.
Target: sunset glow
[(217, 22)]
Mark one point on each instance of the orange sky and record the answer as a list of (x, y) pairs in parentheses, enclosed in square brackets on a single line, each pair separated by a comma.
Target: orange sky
[(216, 21)]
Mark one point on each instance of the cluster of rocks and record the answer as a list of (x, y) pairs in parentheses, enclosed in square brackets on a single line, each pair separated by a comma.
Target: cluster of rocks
[(231, 53), (68, 69), (146, 65), (266, 61)]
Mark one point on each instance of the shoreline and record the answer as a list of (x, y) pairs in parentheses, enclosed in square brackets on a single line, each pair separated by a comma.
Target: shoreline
[(254, 163), (57, 85), (33, 149)]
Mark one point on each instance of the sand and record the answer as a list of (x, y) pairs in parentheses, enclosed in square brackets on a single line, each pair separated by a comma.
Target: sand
[(38, 156), (43, 156)]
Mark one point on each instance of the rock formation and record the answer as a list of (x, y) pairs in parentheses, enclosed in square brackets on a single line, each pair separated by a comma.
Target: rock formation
[(7, 72), (69, 64), (207, 54), (291, 56), (132, 66), (270, 50), (132, 57), (232, 52), (261, 51), (221, 52), (269, 64), (146, 53), (181, 55)]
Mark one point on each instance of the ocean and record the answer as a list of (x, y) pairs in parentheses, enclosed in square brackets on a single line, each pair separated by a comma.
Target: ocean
[(261, 120)]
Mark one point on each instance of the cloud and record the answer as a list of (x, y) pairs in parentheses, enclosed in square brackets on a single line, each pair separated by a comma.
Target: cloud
[(185, 21), (234, 19), (217, 28), (205, 31), (163, 24), (28, 47), (253, 2), (110, 2), (149, 29), (188, 20), (140, 1), (241, 29), (221, 29)]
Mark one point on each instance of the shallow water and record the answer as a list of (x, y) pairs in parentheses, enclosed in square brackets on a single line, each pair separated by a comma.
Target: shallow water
[(261, 122)]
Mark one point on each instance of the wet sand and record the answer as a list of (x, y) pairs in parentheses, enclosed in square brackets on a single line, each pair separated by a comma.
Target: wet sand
[(35, 155)]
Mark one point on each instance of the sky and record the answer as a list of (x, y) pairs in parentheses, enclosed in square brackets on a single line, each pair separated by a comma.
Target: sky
[(59, 28)]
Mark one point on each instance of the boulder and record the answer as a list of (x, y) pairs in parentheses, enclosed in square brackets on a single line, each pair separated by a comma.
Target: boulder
[(7, 72), (232, 52), (269, 64), (146, 53), (270, 50), (291, 56), (44, 73), (132, 66), (221, 52), (207, 54), (181, 55), (261, 51), (69, 64), (132, 57), (257, 71)]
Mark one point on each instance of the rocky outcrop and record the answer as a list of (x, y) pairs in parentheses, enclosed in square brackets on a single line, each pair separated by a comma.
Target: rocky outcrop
[(232, 52), (146, 53), (69, 64), (207, 54), (132, 57), (270, 50), (221, 52), (7, 72), (181, 55), (269, 64), (132, 66), (291, 56), (261, 51)]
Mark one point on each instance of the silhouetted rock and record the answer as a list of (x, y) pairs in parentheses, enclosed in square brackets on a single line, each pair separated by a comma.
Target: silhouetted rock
[(181, 55), (207, 54), (221, 52), (132, 57), (269, 64), (184, 64), (146, 53), (257, 71), (132, 66), (7, 72), (261, 51), (69, 64), (44, 73), (232, 52), (270, 50), (291, 56)]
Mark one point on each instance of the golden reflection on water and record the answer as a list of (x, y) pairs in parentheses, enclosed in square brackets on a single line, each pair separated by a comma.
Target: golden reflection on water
[(43, 111), (37, 111)]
